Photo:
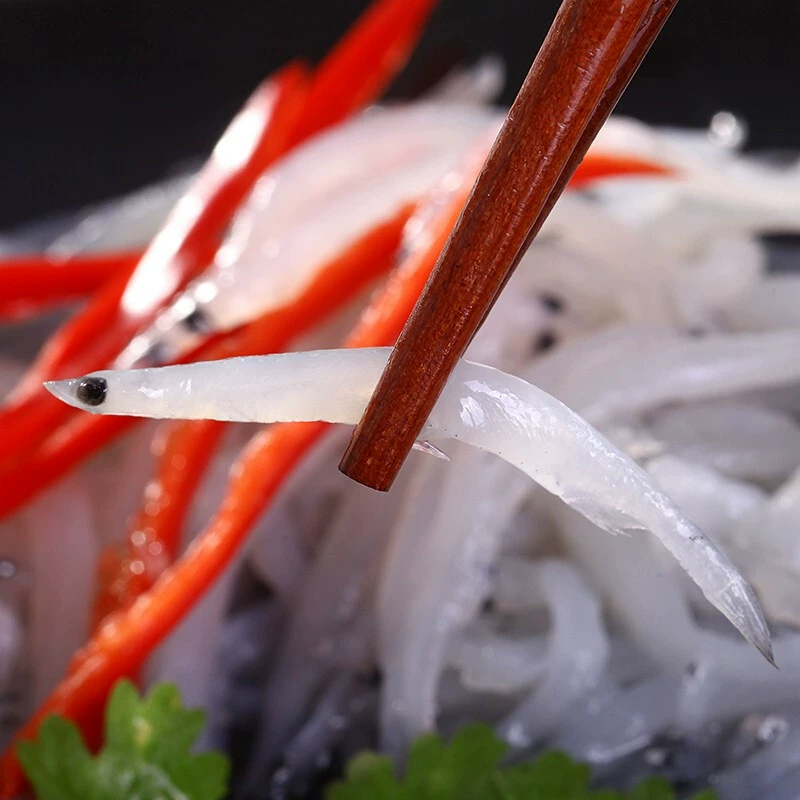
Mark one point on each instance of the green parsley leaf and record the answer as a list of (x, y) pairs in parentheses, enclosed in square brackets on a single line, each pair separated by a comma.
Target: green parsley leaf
[(551, 775), (367, 775), (652, 789), (58, 764), (438, 771), (469, 768), (147, 753)]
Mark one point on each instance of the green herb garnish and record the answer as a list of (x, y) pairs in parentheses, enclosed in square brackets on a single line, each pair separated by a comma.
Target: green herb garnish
[(147, 753), (469, 769)]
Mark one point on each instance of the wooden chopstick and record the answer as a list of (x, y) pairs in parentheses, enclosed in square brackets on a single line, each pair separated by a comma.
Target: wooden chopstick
[(590, 54), (648, 31)]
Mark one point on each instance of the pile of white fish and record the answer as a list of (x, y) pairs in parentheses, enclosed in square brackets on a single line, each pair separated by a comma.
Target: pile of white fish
[(658, 393)]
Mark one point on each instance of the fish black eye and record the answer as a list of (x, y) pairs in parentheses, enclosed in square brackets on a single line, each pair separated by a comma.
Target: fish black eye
[(546, 341), (551, 302), (156, 355), (92, 391), (197, 321)]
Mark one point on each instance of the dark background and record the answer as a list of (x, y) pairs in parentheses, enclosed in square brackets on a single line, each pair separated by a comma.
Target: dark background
[(98, 98)]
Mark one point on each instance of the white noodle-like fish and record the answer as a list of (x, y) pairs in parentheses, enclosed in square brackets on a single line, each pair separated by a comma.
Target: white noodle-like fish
[(618, 720), (630, 370), (444, 549), (64, 550), (325, 630), (771, 304), (479, 84), (490, 661), (11, 638), (715, 189), (769, 537), (577, 653), (652, 608), (307, 209), (129, 221), (481, 406), (713, 501), (726, 269), (742, 440)]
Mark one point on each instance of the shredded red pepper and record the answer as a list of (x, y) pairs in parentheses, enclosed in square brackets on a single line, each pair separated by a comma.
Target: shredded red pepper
[(30, 285), (597, 166)]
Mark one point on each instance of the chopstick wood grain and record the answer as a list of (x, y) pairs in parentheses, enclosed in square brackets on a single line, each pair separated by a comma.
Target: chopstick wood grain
[(587, 59)]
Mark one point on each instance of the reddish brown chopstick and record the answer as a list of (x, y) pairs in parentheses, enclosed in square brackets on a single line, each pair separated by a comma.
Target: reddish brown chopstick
[(649, 29), (590, 54)]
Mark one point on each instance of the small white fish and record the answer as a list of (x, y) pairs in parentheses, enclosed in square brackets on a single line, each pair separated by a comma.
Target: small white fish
[(481, 406), (308, 208)]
